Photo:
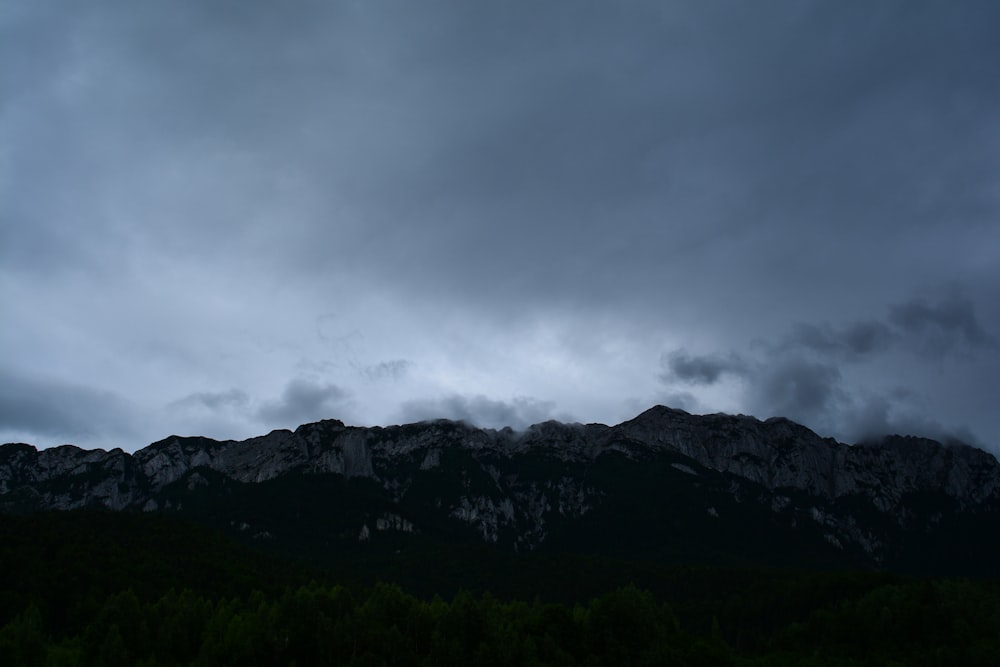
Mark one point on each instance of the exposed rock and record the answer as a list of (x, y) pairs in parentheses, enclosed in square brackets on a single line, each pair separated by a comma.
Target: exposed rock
[(513, 487)]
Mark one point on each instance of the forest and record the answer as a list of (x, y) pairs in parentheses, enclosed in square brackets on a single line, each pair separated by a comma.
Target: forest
[(122, 589)]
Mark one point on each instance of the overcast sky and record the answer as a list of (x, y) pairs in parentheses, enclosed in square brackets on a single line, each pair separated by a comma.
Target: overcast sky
[(225, 217)]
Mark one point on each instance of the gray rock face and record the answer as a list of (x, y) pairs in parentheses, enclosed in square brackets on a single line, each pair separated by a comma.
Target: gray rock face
[(778, 453), (516, 486)]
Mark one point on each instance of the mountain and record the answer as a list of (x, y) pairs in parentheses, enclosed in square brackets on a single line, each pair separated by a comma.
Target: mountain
[(664, 486)]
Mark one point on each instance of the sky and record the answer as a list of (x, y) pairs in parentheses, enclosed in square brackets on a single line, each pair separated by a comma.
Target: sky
[(222, 218)]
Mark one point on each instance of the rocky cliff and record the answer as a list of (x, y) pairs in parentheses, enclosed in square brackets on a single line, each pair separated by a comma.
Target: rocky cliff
[(667, 473)]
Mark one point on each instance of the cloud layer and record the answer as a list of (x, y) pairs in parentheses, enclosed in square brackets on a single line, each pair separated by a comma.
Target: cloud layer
[(804, 375), (239, 215)]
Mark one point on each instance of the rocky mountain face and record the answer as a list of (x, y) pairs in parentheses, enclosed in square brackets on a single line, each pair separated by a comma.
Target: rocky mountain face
[(665, 483)]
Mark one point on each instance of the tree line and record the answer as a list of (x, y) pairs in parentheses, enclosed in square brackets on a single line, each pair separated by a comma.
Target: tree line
[(919, 622)]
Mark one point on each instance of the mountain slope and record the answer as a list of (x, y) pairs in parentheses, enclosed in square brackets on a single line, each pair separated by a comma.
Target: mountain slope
[(666, 485)]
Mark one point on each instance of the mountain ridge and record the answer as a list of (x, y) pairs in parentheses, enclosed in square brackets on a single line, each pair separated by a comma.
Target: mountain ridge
[(661, 480)]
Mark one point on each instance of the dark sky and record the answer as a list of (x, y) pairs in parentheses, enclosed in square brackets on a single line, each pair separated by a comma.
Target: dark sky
[(221, 218)]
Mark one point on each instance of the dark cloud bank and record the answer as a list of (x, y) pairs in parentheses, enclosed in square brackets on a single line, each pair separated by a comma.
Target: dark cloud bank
[(244, 215), (802, 376)]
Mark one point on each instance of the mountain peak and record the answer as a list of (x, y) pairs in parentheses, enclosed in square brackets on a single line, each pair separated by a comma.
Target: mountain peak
[(660, 411)]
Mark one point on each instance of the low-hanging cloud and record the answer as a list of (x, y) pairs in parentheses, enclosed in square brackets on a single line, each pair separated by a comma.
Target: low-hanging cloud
[(700, 369), (303, 401), (479, 410), (803, 375), (57, 409), (805, 390)]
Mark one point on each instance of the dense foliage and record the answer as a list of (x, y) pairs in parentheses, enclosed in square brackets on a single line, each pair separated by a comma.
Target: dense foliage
[(919, 623), (115, 589)]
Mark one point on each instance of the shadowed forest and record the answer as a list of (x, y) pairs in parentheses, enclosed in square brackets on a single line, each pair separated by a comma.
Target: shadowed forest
[(120, 589)]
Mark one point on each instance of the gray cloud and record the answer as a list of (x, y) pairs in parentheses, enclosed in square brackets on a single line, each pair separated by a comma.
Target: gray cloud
[(942, 325), (517, 198), (395, 369), (707, 369), (895, 412), (55, 410), (304, 401), (938, 327), (479, 410), (855, 340), (802, 377), (231, 398), (804, 390)]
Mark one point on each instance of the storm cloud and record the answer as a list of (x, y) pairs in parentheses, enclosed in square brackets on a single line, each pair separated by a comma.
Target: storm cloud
[(853, 341), (243, 215), (303, 401), (805, 375), (43, 406), (706, 369), (943, 326)]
